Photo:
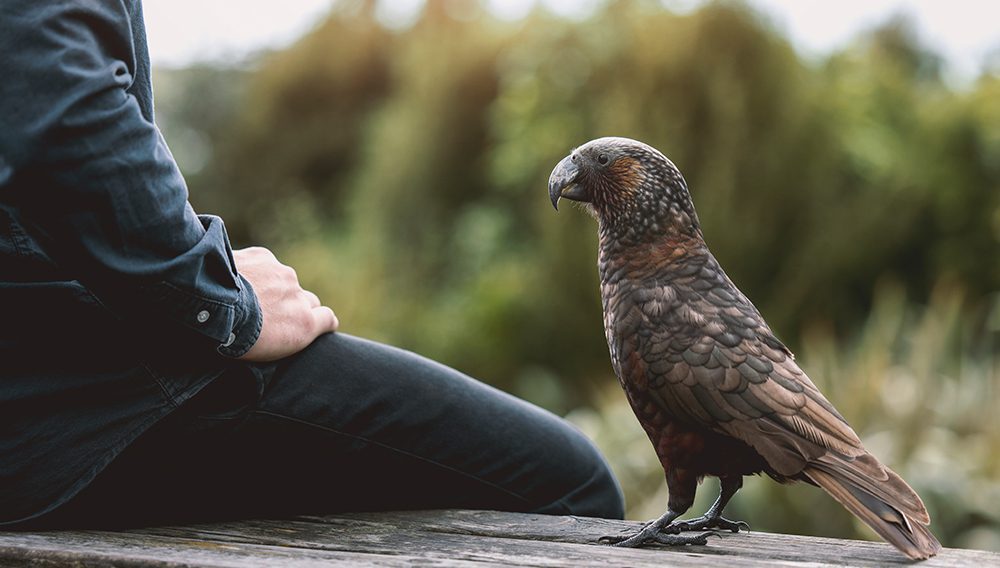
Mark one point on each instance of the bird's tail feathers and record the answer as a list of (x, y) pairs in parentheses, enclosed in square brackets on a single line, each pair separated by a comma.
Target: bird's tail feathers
[(883, 501)]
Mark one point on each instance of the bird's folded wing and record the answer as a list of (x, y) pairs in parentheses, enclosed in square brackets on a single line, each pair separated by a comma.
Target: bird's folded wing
[(753, 391)]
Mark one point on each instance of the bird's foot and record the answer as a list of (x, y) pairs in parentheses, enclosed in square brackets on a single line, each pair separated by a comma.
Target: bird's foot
[(654, 532), (705, 522)]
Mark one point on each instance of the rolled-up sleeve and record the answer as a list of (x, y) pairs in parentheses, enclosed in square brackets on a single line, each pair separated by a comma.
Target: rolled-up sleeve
[(109, 202)]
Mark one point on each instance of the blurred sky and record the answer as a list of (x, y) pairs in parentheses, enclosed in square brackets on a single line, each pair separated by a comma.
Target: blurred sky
[(183, 31)]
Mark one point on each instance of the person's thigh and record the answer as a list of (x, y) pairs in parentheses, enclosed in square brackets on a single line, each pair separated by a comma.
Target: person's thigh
[(349, 425), (369, 426)]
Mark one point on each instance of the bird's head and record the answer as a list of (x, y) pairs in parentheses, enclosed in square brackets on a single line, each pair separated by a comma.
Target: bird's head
[(631, 188)]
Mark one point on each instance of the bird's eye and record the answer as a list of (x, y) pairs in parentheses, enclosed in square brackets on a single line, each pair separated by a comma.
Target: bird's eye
[(603, 159)]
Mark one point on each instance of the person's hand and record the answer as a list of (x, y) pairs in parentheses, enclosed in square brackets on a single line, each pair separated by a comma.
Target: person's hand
[(292, 317)]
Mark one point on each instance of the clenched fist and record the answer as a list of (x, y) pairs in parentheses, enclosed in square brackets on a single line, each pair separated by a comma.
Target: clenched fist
[(292, 317)]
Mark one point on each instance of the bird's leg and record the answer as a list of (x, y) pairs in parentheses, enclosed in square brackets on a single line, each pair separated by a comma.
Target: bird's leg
[(682, 485), (651, 532), (712, 519)]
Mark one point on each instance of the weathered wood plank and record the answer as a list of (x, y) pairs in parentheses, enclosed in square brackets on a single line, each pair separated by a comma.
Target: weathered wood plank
[(436, 538), (114, 549), (445, 547)]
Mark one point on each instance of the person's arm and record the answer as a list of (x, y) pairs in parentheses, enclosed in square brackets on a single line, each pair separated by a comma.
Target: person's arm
[(108, 199)]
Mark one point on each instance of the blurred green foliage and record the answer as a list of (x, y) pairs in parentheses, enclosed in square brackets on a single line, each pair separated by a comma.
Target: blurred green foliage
[(856, 199)]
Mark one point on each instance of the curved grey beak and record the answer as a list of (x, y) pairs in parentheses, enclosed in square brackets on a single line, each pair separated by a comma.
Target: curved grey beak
[(563, 182)]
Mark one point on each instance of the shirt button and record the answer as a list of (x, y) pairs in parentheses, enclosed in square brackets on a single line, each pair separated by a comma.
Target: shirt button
[(229, 340), (203, 316)]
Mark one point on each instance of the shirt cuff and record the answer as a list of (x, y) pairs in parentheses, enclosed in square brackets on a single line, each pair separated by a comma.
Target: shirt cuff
[(246, 324)]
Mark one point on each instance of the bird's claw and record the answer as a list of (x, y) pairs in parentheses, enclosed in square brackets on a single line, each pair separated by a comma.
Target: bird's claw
[(648, 530), (646, 536), (702, 523), (737, 525)]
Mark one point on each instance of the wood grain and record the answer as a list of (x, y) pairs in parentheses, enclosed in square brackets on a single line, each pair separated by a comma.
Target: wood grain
[(436, 538)]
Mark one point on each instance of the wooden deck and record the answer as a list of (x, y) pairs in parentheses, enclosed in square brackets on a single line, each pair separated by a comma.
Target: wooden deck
[(437, 538)]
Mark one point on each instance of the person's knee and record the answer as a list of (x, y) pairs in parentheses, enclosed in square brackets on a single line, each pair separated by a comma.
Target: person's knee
[(607, 500), (604, 496), (594, 490)]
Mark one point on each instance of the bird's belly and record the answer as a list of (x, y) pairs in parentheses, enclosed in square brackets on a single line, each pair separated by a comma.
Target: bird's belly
[(684, 445)]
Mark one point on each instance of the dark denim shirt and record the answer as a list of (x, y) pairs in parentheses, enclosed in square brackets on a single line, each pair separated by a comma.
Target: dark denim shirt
[(117, 301)]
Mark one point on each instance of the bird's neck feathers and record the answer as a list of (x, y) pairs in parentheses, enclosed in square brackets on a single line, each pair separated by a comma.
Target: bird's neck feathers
[(645, 215), (656, 233), (640, 254), (648, 219)]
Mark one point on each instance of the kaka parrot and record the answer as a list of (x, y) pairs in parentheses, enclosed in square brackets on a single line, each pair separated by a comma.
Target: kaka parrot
[(716, 392)]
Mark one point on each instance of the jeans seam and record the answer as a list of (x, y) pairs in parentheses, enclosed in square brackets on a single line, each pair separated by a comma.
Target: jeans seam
[(561, 502), (399, 451)]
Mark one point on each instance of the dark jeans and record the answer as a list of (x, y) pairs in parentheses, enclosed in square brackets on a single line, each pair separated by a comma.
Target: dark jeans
[(347, 425)]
